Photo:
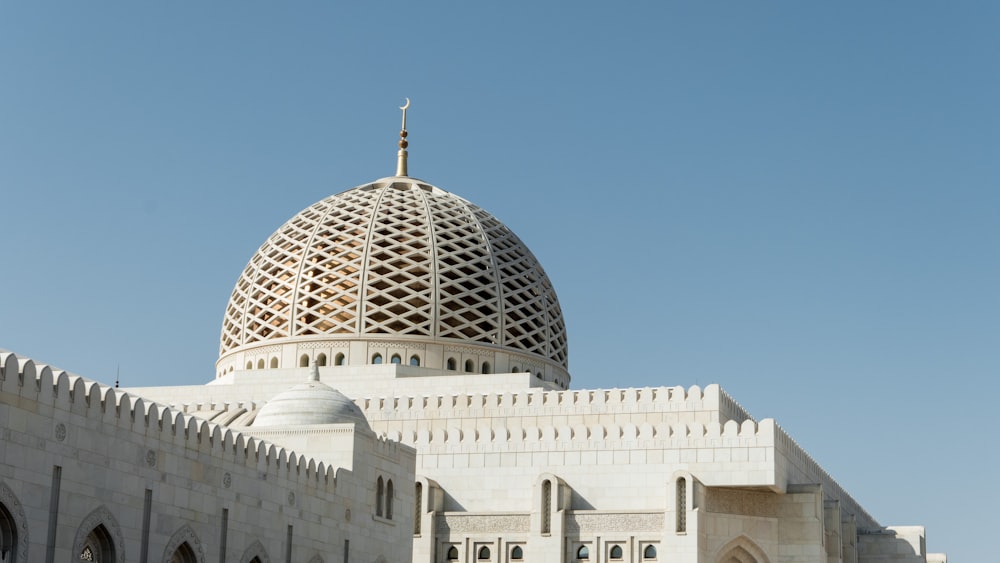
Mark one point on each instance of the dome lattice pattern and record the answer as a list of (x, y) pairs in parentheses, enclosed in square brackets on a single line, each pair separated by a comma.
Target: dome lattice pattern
[(397, 257)]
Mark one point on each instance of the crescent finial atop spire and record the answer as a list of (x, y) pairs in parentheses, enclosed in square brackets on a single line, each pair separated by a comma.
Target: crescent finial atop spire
[(401, 155)]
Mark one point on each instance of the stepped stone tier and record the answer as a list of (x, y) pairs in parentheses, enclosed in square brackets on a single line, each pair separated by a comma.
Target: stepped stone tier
[(392, 385)]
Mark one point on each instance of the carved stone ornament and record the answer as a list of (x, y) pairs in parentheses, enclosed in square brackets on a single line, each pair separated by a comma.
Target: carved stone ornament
[(747, 503), (60, 432), (404, 345), (227, 480), (595, 523), (324, 344), (151, 458), (492, 523)]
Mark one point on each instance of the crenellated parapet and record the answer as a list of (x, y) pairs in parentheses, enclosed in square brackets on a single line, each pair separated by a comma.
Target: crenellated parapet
[(712, 402), (92, 404), (386, 446), (575, 437)]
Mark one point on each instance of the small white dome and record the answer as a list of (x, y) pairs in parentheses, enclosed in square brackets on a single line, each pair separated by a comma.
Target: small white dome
[(310, 403)]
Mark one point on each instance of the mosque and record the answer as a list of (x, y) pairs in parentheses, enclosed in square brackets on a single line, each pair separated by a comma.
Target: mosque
[(393, 385)]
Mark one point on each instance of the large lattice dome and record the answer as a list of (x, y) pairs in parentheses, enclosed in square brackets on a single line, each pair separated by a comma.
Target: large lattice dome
[(395, 271)]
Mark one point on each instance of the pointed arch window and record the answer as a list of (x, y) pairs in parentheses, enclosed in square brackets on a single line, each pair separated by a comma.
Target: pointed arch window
[(274, 363), (338, 360), (452, 553), (304, 361), (377, 359), (517, 553), (379, 495), (649, 553), (546, 506), (452, 364), (415, 360), (388, 499), (470, 366), (396, 359), (487, 368), (583, 553), (484, 554), (418, 508), (321, 360), (615, 552), (681, 505)]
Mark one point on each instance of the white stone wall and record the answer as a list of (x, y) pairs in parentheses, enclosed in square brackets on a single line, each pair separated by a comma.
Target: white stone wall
[(895, 544), (616, 455), (111, 448)]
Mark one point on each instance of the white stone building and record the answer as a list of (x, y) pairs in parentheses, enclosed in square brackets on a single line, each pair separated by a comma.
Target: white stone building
[(464, 442), (91, 473)]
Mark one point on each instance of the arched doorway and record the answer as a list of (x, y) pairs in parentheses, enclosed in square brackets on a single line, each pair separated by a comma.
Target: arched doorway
[(742, 550), (184, 554), (98, 546), (184, 547), (13, 527), (739, 555), (8, 535), (99, 538), (255, 554)]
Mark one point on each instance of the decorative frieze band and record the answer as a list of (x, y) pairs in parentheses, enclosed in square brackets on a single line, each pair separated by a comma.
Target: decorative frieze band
[(323, 344), (747, 503), (482, 523), (406, 345), (601, 522), (463, 350), (264, 350)]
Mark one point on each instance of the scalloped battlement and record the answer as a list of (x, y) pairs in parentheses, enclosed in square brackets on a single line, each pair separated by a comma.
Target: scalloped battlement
[(60, 390), (536, 402), (567, 437)]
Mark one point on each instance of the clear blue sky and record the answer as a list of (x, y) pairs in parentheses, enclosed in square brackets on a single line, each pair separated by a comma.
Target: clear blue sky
[(798, 201)]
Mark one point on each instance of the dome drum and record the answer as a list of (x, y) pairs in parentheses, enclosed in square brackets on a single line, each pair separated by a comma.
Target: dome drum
[(395, 260), (414, 354)]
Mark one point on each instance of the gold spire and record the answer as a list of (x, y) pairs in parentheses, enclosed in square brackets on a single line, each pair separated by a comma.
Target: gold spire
[(401, 155)]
